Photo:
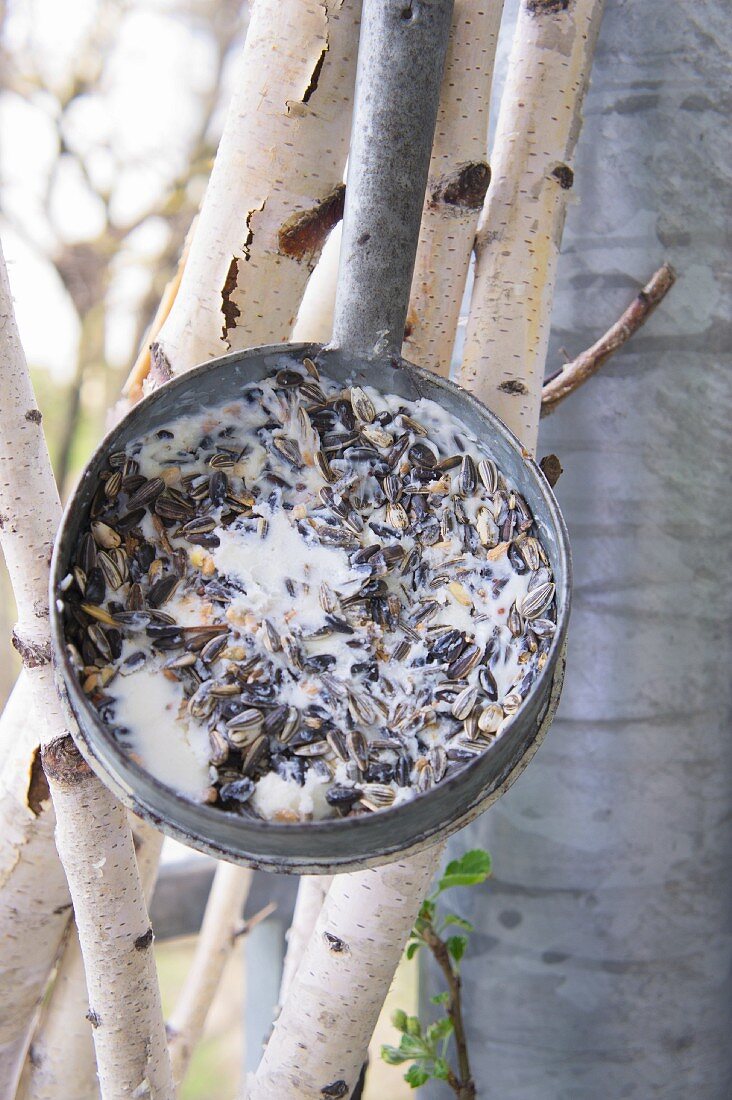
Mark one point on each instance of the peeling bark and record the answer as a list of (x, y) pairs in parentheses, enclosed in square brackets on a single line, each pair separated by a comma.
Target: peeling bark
[(279, 171), (304, 234)]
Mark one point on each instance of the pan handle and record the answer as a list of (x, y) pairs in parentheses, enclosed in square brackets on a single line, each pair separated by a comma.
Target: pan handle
[(400, 64)]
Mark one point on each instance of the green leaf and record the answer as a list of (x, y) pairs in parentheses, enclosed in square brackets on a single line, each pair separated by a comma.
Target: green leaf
[(439, 1030), (412, 1026), (413, 948), (440, 998), (416, 1076), (392, 1056), (413, 1046), (472, 868), (456, 946), (427, 909), (453, 918), (399, 1019), (441, 1069)]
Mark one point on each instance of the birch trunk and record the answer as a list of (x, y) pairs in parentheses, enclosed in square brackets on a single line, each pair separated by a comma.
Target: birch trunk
[(62, 1049), (221, 923), (319, 1042), (88, 818), (276, 188), (521, 225), (456, 187)]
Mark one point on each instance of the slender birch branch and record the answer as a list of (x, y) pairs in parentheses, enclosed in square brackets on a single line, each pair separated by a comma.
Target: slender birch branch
[(576, 373), (521, 225), (62, 1049), (275, 191), (458, 179), (34, 900), (319, 1042), (95, 842), (221, 924), (89, 823), (311, 894)]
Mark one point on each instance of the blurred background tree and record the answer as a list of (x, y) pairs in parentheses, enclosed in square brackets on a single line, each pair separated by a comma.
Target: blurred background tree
[(111, 112)]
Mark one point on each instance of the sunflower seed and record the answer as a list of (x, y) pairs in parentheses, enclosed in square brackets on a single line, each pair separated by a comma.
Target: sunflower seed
[(147, 494), (104, 535), (362, 405), (488, 473), (464, 702), (531, 605)]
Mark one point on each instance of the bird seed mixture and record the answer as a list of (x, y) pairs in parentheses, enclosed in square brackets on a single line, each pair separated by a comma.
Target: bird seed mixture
[(308, 602)]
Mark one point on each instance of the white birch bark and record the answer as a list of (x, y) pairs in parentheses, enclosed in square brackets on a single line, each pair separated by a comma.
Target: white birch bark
[(521, 225), (95, 842), (456, 186), (88, 818), (276, 187), (35, 907), (311, 894), (62, 1048), (34, 899), (221, 923), (315, 316), (319, 1042)]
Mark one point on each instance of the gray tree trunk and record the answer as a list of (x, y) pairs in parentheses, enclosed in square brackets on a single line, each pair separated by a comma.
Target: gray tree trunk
[(601, 962)]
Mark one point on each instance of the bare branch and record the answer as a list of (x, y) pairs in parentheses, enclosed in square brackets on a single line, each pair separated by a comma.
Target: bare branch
[(219, 931), (575, 373)]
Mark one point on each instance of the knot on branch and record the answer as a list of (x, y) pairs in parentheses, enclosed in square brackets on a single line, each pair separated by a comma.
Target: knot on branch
[(551, 468), (564, 174), (546, 7), (513, 386), (32, 654), (303, 235), (143, 942), (336, 1089), (63, 763), (465, 189), (335, 943), (38, 791), (160, 369)]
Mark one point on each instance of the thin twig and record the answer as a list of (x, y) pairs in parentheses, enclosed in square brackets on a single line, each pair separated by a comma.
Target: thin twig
[(574, 374), (249, 925), (463, 1086)]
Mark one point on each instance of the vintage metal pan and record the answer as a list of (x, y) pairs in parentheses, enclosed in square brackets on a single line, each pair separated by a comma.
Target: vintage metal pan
[(400, 64)]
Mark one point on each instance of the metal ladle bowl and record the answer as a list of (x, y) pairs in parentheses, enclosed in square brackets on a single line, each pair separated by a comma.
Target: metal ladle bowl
[(400, 62)]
